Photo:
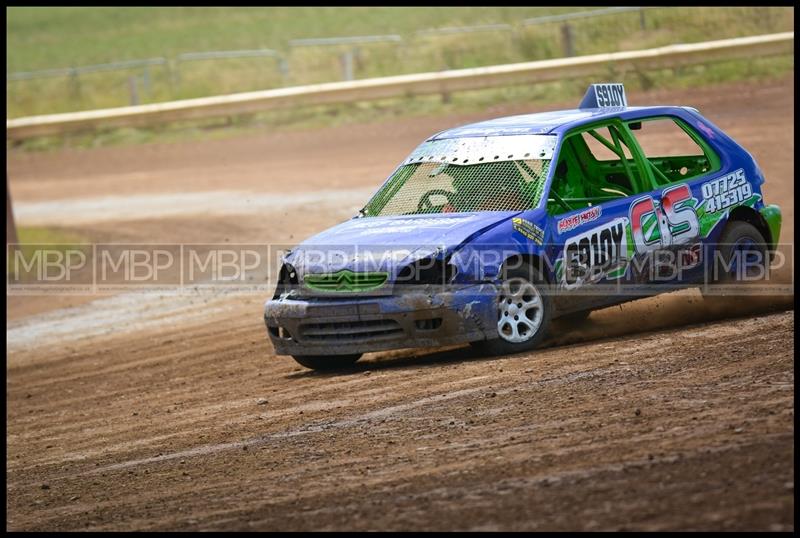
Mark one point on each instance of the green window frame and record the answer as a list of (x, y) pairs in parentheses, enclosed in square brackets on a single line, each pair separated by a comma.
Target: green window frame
[(639, 177), (659, 178)]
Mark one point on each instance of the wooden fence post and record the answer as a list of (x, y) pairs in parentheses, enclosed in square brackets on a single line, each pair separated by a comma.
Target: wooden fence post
[(11, 228), (133, 90), (567, 40)]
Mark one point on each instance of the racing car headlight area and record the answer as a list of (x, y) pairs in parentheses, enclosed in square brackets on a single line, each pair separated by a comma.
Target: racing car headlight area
[(287, 279), (427, 271)]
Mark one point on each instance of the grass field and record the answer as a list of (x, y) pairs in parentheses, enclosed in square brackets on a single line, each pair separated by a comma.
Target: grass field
[(59, 37), (46, 38)]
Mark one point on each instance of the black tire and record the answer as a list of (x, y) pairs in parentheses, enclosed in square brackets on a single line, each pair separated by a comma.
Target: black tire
[(500, 345), (327, 362), (574, 318), (733, 236)]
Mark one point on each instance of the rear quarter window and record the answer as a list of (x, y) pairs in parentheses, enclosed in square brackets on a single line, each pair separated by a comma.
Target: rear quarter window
[(675, 150)]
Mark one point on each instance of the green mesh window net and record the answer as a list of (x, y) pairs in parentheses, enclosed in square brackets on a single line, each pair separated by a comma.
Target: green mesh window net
[(442, 187)]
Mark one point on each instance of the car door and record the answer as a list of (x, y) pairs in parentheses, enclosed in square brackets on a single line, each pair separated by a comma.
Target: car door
[(666, 223), (598, 176)]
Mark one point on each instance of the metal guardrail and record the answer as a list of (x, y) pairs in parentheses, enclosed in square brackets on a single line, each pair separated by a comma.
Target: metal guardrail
[(225, 54), (44, 73), (348, 57), (580, 15), (283, 64), (317, 41), (402, 85), (463, 29), (129, 64)]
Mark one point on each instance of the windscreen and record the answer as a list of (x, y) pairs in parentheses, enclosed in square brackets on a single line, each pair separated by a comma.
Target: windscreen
[(457, 175), (431, 187)]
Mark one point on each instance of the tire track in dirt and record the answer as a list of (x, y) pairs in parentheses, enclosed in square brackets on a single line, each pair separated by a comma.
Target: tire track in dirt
[(574, 407)]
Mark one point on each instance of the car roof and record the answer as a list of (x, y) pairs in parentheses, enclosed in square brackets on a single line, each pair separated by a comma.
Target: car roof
[(556, 122)]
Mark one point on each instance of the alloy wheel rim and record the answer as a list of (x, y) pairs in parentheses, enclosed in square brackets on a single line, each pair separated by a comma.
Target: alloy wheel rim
[(745, 254), (519, 310)]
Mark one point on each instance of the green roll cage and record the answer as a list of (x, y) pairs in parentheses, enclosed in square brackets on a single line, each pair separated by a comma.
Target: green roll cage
[(581, 180)]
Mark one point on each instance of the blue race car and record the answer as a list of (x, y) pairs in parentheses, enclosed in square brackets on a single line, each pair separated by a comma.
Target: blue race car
[(488, 232)]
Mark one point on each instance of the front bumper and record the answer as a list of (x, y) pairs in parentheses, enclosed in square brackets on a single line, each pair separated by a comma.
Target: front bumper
[(426, 317)]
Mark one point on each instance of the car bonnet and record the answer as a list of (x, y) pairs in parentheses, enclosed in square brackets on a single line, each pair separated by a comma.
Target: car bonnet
[(389, 243)]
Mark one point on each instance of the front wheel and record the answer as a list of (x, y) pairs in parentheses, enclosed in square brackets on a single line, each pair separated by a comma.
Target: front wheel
[(327, 362), (575, 318), (524, 309)]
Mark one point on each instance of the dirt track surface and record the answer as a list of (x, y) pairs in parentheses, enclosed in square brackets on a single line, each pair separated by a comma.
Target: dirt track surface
[(166, 413)]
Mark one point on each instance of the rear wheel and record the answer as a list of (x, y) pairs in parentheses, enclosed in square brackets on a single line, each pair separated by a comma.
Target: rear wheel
[(327, 362), (524, 309), (741, 257)]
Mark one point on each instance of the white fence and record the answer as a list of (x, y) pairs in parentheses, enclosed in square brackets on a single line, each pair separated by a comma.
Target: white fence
[(397, 86)]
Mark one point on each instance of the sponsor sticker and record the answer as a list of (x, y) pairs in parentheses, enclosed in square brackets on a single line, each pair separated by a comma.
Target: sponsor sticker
[(723, 192), (402, 224), (596, 253), (528, 229), (573, 221), (673, 221)]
